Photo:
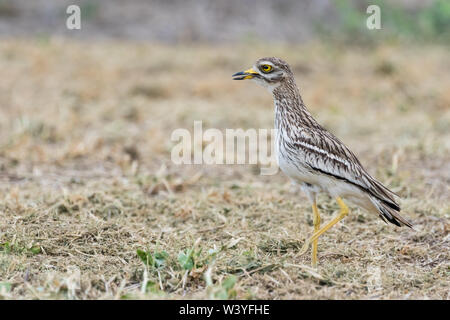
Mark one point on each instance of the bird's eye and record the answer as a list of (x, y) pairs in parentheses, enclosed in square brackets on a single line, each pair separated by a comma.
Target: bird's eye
[(266, 68)]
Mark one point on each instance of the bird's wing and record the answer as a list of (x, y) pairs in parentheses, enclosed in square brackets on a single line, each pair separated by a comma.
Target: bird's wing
[(326, 154)]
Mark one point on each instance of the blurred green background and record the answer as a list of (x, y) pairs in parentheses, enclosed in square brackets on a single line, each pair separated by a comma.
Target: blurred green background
[(175, 21)]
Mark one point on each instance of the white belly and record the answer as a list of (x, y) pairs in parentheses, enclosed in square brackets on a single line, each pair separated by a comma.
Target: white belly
[(296, 171)]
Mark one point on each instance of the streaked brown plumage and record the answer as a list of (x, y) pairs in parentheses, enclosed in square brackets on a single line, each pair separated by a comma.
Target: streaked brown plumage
[(313, 157)]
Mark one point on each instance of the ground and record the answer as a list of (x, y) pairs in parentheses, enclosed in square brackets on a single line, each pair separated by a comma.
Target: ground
[(92, 207)]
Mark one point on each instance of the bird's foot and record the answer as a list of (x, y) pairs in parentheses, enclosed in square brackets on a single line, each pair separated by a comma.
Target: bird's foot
[(304, 248)]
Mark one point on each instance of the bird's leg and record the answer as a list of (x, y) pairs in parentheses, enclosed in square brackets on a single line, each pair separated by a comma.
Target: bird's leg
[(344, 211), (316, 222)]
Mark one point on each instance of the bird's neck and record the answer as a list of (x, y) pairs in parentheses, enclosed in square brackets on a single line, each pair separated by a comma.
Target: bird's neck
[(289, 107)]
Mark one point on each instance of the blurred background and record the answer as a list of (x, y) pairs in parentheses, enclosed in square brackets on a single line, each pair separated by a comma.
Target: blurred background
[(86, 118), (173, 21)]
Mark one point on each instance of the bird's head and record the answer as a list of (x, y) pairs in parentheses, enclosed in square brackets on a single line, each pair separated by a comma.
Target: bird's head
[(269, 72)]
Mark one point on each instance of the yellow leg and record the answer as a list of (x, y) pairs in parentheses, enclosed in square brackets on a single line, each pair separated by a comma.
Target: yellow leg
[(344, 211), (316, 222)]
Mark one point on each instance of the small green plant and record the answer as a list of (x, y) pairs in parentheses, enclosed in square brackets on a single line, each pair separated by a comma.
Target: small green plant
[(227, 290), (153, 260), (192, 258), (224, 290), (188, 258), (35, 250), (7, 247)]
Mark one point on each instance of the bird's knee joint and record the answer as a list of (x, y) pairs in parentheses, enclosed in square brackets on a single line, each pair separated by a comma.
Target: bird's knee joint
[(316, 221), (344, 209)]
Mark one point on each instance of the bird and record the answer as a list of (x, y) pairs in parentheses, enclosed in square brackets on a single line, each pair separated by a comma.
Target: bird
[(315, 159)]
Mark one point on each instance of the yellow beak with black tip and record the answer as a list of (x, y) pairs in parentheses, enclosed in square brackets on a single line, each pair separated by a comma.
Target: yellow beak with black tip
[(243, 75)]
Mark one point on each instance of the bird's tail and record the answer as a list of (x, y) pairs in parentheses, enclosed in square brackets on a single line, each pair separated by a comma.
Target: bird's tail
[(387, 213)]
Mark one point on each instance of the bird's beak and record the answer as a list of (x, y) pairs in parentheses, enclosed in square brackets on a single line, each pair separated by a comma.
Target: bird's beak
[(247, 74)]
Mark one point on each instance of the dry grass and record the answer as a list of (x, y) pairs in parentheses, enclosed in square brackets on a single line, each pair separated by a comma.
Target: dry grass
[(86, 178)]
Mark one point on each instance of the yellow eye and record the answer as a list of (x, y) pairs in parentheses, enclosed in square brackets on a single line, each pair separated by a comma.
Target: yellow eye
[(266, 68)]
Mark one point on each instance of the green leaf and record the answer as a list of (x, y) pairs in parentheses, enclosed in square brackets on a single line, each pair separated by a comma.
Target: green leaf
[(225, 290), (142, 255), (160, 258), (185, 259), (156, 260), (145, 257), (35, 249)]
